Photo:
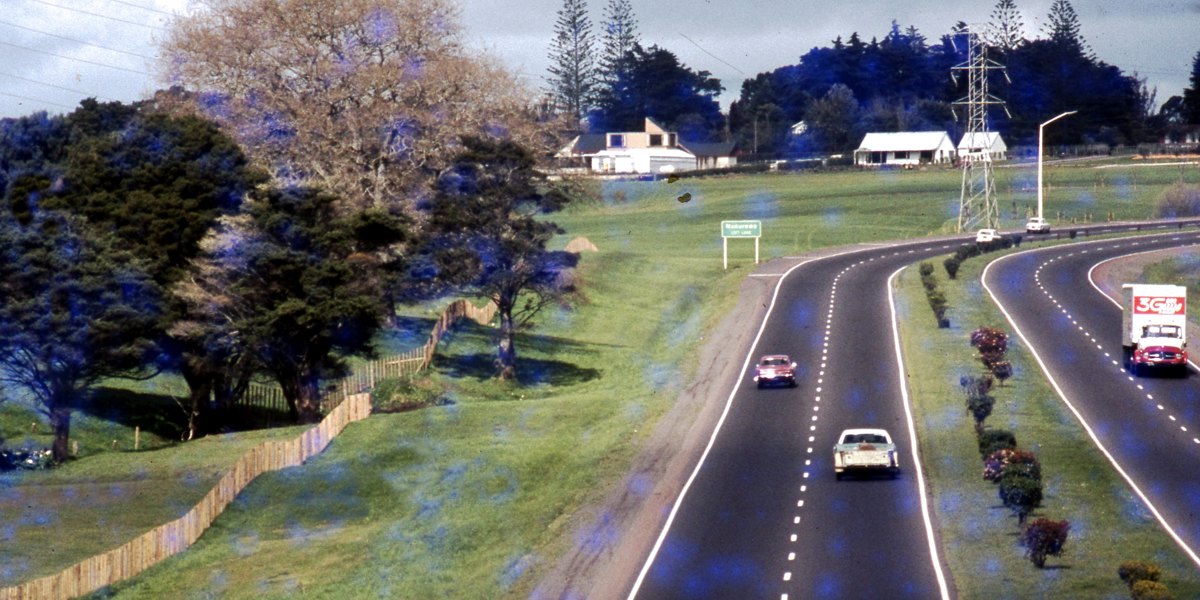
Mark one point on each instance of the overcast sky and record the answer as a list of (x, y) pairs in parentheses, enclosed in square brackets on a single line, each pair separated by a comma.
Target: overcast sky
[(53, 53)]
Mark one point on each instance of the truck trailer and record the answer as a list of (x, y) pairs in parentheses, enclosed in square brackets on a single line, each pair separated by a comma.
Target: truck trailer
[(1154, 323)]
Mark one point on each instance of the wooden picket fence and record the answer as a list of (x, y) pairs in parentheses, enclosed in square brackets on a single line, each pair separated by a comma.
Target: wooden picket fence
[(166, 540), (345, 401)]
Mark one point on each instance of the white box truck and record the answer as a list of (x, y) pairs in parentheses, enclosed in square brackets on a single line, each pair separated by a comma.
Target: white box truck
[(1154, 325)]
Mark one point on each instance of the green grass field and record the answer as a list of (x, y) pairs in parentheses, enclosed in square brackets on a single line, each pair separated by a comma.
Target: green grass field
[(475, 497)]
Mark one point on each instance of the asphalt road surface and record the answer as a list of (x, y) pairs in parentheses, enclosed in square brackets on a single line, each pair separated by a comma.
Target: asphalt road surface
[(1148, 426)]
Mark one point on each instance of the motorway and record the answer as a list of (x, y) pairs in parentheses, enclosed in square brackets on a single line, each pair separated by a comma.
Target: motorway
[(1149, 427), (762, 515)]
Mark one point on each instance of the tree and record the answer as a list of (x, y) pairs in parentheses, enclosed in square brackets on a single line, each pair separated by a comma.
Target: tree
[(1043, 538), (366, 97), (1191, 95), (1007, 30), (833, 120), (658, 86), (73, 310), (284, 282), (572, 62), (1062, 27), (620, 37), (488, 237)]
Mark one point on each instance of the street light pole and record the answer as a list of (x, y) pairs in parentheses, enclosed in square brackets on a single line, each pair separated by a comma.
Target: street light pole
[(1041, 136)]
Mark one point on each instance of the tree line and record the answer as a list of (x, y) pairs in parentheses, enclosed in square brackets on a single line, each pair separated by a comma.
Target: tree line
[(900, 82), (305, 173)]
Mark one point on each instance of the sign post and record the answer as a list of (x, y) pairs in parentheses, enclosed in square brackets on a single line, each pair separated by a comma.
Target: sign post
[(739, 229)]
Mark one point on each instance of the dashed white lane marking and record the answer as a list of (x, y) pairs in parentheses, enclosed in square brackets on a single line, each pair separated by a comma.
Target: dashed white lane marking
[(1037, 277)]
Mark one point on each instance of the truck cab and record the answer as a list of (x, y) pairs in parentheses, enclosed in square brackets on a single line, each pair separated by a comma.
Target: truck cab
[(1154, 328)]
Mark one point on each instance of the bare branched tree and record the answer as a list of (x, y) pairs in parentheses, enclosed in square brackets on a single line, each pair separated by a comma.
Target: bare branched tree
[(364, 97)]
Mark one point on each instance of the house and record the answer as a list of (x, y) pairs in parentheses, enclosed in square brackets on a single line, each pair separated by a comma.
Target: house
[(981, 144), (653, 150), (905, 148)]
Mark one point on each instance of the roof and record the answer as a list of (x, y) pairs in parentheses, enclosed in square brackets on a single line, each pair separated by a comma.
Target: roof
[(709, 149), (588, 143), (905, 140), (981, 140)]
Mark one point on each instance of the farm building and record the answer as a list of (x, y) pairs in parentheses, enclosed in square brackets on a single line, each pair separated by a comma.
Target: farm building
[(653, 150), (904, 148), (982, 144)]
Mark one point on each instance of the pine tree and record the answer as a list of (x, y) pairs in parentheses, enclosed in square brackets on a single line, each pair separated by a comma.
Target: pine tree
[(1191, 95), (620, 36), (1007, 30), (572, 62), (1063, 27)]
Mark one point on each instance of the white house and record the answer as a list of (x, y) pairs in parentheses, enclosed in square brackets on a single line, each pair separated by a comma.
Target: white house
[(654, 150), (905, 148), (982, 144)]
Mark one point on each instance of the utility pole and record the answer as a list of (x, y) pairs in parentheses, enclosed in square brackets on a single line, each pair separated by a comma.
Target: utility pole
[(977, 207)]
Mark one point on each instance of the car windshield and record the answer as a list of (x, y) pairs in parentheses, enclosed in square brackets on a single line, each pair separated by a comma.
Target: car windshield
[(774, 362), (864, 438), (1167, 331)]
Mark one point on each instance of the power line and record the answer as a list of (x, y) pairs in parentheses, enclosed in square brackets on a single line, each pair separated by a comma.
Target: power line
[(38, 100), (146, 8), (57, 87), (102, 16), (63, 37), (711, 54), (82, 60)]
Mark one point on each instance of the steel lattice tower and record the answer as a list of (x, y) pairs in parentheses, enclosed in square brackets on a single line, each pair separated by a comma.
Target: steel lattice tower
[(977, 207)]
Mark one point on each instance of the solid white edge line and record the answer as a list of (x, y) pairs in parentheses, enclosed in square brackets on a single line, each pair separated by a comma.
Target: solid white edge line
[(662, 536), (1079, 417), (943, 586)]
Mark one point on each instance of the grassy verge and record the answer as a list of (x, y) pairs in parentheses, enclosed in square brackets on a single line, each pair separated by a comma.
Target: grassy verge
[(473, 498), (1108, 522)]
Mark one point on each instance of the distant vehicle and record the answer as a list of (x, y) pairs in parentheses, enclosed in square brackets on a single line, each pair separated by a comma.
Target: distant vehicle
[(1037, 225), (1153, 324), (865, 452), (986, 235), (775, 368)]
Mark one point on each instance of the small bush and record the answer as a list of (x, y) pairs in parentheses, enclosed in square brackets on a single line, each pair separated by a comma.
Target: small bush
[(1177, 201), (995, 439), (1002, 369), (990, 339), (925, 269), (1150, 590), (1043, 538), (396, 395), (1011, 461), (1133, 571), (29, 459), (980, 407), (952, 264), (1020, 494)]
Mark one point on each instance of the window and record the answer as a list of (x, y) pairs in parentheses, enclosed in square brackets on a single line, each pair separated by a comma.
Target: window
[(655, 139), (901, 154), (616, 140)]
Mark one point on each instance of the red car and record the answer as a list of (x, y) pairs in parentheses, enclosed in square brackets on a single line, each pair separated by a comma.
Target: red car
[(775, 368)]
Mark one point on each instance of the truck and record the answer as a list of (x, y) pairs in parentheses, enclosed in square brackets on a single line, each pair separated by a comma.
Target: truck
[(865, 451), (1154, 323)]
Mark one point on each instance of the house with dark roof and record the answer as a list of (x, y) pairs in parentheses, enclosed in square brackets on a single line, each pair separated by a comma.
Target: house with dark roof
[(653, 150)]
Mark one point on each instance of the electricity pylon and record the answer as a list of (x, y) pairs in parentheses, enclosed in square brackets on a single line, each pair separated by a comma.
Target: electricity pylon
[(977, 206)]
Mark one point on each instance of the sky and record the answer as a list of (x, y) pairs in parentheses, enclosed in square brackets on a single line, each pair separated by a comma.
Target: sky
[(54, 53)]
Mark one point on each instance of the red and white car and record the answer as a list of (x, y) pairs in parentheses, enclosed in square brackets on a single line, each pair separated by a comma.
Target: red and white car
[(775, 368)]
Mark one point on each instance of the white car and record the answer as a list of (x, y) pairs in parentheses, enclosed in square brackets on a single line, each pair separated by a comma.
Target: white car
[(865, 452), (1037, 225), (986, 235)]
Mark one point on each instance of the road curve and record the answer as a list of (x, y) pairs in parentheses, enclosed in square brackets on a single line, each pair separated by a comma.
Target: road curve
[(762, 515), (1148, 428)]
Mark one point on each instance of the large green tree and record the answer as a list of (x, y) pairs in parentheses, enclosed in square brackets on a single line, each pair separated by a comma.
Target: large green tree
[(488, 235), (619, 37), (658, 86), (573, 72), (1191, 95), (285, 283), (73, 310)]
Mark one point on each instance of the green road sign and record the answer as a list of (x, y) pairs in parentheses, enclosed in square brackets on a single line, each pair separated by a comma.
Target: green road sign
[(741, 229)]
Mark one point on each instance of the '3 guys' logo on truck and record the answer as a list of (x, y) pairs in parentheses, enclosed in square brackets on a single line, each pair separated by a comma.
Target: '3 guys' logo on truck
[(1158, 305)]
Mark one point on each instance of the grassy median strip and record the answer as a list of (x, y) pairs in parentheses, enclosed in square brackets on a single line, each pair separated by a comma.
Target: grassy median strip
[(1109, 524)]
